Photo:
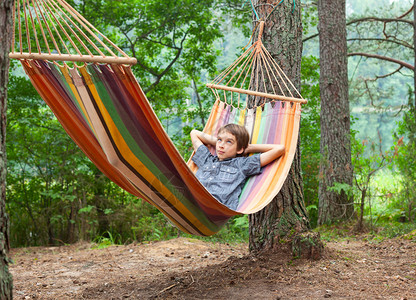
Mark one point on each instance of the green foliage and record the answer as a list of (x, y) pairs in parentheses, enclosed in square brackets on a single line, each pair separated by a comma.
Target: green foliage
[(404, 166), (368, 159), (241, 222), (309, 17), (235, 231), (153, 227), (106, 241), (310, 135), (86, 209), (375, 199), (342, 187), (384, 230), (389, 195), (42, 180), (396, 229)]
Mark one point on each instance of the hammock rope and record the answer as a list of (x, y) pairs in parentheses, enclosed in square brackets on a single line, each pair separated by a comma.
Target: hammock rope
[(257, 74), (105, 111), (71, 34)]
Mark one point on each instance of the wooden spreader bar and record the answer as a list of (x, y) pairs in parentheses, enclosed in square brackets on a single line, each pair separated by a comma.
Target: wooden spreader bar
[(75, 58), (255, 93)]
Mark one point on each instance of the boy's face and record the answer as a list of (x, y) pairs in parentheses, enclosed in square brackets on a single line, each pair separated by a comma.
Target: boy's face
[(226, 146)]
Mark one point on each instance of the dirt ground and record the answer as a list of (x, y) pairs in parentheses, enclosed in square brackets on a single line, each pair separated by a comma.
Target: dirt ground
[(192, 269)]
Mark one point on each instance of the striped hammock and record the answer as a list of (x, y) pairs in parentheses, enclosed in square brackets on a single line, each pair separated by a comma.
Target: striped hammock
[(104, 110)]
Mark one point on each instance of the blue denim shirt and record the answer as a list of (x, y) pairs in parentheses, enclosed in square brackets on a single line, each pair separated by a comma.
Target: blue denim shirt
[(225, 179)]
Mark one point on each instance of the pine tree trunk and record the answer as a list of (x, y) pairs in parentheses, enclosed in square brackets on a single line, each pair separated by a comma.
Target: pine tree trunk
[(6, 281), (335, 165), (285, 218)]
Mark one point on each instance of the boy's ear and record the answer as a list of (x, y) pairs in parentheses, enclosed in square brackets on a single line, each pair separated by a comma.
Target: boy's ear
[(241, 151)]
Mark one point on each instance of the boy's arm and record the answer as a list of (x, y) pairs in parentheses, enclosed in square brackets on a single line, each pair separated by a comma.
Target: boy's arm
[(198, 138), (269, 152)]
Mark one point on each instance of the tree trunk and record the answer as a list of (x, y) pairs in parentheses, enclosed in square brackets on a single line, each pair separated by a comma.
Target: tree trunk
[(6, 281), (414, 44), (285, 218), (414, 107), (101, 204), (71, 236), (335, 165), (360, 224)]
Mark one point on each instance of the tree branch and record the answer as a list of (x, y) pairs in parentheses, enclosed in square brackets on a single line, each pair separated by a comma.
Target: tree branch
[(391, 73), (178, 54), (406, 13), (198, 98), (401, 43), (381, 57), (310, 37), (148, 69), (375, 19)]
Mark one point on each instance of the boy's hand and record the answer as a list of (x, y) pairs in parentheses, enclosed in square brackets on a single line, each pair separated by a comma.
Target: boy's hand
[(198, 138), (269, 152)]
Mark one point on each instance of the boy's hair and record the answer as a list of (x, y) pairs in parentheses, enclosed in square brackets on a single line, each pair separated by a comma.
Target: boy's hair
[(240, 132)]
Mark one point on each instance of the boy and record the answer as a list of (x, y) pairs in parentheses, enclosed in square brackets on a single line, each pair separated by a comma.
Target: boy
[(225, 174)]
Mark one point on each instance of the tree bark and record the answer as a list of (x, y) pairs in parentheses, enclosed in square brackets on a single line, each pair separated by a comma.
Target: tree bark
[(335, 147), (6, 281), (285, 218)]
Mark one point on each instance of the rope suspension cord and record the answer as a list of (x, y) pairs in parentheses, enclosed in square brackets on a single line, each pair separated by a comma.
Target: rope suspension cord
[(41, 27), (57, 19), (67, 34), (256, 73), (50, 33)]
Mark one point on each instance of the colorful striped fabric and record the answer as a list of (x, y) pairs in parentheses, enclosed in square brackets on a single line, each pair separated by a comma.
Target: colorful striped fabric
[(104, 110)]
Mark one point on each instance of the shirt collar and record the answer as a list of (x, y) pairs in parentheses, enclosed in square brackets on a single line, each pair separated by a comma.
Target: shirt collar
[(226, 159)]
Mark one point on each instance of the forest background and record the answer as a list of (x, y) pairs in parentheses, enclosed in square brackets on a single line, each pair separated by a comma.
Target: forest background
[(55, 195)]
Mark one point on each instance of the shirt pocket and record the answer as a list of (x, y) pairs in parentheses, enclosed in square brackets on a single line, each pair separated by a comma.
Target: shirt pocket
[(228, 173), (206, 171)]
